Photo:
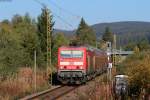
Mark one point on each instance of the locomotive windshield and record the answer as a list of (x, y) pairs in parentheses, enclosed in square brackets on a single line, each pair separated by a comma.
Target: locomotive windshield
[(71, 54)]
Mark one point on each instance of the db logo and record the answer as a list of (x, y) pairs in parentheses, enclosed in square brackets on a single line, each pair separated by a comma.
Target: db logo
[(71, 63)]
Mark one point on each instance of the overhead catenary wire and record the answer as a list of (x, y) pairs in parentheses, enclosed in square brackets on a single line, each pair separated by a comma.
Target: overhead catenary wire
[(39, 2), (64, 10), (54, 14), (63, 20), (72, 16)]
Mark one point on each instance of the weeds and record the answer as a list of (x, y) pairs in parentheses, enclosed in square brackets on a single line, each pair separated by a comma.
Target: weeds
[(22, 84)]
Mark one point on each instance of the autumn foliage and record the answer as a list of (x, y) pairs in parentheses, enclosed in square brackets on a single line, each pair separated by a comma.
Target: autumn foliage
[(137, 67)]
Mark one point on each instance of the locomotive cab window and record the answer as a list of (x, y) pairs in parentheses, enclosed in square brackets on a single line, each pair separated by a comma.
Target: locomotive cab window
[(66, 54), (77, 54), (71, 54)]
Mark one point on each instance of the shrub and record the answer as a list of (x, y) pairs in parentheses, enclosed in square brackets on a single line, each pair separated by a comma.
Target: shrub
[(137, 67)]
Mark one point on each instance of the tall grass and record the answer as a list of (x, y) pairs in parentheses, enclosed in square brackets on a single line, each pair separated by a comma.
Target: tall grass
[(98, 90), (22, 84)]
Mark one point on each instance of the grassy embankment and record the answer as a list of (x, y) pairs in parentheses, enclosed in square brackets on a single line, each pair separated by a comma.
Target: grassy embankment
[(22, 84)]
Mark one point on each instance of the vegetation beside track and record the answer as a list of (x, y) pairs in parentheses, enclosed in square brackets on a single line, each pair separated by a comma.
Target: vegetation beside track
[(22, 84), (137, 67), (19, 38)]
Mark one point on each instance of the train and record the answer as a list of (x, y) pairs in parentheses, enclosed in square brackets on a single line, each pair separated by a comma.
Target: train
[(78, 64)]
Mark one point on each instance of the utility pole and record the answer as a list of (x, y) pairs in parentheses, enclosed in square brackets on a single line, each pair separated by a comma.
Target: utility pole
[(114, 51), (109, 51), (49, 36), (49, 64), (113, 58), (35, 71)]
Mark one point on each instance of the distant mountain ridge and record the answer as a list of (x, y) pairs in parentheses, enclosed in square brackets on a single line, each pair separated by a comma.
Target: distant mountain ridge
[(122, 27)]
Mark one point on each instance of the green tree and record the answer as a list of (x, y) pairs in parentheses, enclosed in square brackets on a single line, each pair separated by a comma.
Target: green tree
[(136, 49), (58, 40), (27, 18), (144, 44), (10, 52), (18, 41), (108, 35), (16, 20), (130, 46), (42, 29), (25, 32), (85, 34)]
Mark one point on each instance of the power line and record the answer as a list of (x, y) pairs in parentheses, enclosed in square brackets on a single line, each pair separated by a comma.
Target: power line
[(63, 20), (39, 2), (64, 10), (55, 15)]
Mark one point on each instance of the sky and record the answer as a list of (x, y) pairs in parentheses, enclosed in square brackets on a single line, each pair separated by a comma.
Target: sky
[(68, 13)]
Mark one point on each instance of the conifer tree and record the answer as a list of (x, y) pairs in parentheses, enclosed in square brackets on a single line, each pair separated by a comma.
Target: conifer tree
[(85, 34), (43, 20), (108, 35), (59, 39)]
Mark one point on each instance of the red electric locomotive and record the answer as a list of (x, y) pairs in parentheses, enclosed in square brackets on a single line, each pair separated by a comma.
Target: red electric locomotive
[(79, 64)]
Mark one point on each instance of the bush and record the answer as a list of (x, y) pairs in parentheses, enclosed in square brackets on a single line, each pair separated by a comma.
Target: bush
[(137, 67)]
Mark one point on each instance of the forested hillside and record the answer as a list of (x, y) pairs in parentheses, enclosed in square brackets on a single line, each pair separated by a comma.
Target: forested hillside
[(127, 31)]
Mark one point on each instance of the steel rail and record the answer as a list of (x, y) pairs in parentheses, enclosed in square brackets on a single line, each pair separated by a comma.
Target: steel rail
[(50, 94)]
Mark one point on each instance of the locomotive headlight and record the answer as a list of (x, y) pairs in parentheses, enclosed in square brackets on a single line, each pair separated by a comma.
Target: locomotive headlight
[(79, 67), (78, 63), (61, 67), (64, 63)]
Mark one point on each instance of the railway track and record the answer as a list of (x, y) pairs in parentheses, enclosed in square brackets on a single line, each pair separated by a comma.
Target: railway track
[(53, 94), (50, 94)]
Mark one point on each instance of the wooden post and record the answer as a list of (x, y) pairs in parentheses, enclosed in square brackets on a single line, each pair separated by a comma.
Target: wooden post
[(35, 70)]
